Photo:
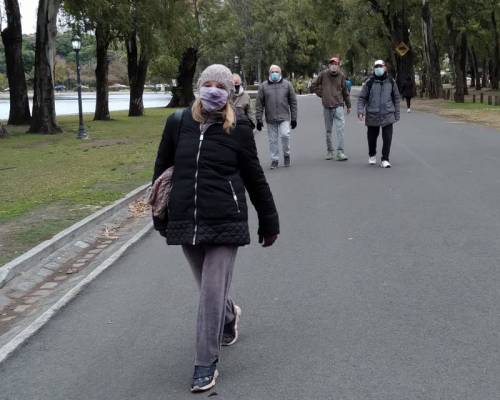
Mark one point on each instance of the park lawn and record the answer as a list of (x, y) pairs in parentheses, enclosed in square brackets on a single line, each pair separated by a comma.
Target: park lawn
[(469, 112), (51, 181)]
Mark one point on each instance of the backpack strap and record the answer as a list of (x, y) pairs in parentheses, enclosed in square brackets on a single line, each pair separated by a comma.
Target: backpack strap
[(369, 84)]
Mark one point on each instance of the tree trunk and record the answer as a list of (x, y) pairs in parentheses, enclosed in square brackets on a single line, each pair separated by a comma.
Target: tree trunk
[(3, 132), (423, 82), (182, 94), (496, 53), (12, 38), (475, 68), (460, 64), (44, 111), (103, 37), (431, 53), (137, 71), (396, 22), (466, 54), (457, 41), (491, 71), (472, 70), (484, 77)]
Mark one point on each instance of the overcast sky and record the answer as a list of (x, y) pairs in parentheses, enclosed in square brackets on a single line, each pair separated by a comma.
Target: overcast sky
[(28, 15)]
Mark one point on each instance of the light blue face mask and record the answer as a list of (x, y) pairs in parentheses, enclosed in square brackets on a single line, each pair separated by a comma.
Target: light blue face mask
[(379, 72), (275, 76)]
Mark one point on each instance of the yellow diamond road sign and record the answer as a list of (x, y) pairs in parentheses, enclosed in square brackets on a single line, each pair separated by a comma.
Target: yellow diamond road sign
[(402, 49)]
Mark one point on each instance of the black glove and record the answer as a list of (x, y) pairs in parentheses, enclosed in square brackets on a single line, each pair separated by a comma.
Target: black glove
[(293, 124), (259, 125), (267, 241)]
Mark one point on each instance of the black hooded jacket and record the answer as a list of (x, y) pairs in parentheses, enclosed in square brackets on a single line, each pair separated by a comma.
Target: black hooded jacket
[(211, 172)]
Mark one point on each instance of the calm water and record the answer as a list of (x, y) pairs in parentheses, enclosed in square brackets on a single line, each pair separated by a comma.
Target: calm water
[(67, 103)]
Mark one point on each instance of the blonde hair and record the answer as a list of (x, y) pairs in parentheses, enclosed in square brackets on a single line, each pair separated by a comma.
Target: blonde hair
[(228, 115)]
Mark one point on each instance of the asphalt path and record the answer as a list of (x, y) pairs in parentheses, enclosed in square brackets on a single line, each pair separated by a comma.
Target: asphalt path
[(384, 284)]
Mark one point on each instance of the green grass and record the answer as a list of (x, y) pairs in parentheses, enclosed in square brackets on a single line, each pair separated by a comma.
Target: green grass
[(50, 181), (469, 105)]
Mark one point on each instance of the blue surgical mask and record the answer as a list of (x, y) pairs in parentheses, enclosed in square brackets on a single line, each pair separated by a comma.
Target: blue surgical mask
[(275, 76), (379, 72)]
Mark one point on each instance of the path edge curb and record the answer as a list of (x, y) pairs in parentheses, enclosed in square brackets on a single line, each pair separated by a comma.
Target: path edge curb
[(20, 264), (9, 348)]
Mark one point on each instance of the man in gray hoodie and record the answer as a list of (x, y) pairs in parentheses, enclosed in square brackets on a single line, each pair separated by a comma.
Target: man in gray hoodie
[(276, 97), (378, 104)]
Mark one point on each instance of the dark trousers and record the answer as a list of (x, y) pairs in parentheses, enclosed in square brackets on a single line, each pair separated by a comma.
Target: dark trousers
[(408, 102), (372, 134)]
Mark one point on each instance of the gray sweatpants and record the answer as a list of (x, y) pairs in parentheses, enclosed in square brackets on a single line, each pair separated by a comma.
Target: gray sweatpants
[(276, 131), (212, 267)]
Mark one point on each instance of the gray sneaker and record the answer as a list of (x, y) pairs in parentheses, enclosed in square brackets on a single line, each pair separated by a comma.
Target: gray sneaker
[(329, 155), (204, 378), (341, 156), (274, 164)]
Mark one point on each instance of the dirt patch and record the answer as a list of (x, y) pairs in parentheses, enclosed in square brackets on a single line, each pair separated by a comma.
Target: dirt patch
[(105, 143), (33, 145), (489, 117)]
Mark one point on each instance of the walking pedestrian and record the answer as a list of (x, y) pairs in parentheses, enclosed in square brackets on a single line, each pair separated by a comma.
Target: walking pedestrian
[(348, 83), (276, 97), (241, 100), (379, 102), (331, 87), (215, 160), (407, 90)]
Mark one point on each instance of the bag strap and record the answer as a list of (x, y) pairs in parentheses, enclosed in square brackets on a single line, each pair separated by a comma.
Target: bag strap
[(369, 84), (176, 122)]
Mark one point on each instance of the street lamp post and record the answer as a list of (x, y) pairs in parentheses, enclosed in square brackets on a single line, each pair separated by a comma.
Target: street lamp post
[(76, 42), (237, 65)]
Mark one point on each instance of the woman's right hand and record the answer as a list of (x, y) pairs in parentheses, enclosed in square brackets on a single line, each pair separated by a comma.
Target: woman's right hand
[(267, 241)]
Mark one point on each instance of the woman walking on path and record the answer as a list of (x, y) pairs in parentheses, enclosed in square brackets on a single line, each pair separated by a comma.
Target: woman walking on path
[(379, 101), (407, 89), (215, 159)]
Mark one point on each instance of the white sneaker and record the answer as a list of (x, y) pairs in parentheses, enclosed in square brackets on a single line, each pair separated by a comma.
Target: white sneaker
[(231, 333), (372, 160), (409, 110), (385, 164)]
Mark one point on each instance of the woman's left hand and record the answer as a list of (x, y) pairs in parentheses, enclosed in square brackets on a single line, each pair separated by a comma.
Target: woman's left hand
[(267, 241)]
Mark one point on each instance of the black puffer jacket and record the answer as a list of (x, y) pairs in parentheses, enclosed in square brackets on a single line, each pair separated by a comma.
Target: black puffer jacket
[(207, 202)]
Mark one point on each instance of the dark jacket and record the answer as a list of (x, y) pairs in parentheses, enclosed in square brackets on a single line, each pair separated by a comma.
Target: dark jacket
[(332, 89), (379, 101), (407, 88), (278, 100), (211, 172), (241, 101)]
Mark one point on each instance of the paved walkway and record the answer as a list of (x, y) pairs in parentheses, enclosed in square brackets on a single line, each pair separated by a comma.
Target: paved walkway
[(383, 285)]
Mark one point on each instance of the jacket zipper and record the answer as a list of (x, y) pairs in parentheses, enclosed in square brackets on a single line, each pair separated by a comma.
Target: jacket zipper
[(196, 190), (235, 198)]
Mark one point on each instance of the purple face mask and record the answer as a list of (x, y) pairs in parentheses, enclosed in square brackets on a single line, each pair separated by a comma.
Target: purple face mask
[(213, 98)]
